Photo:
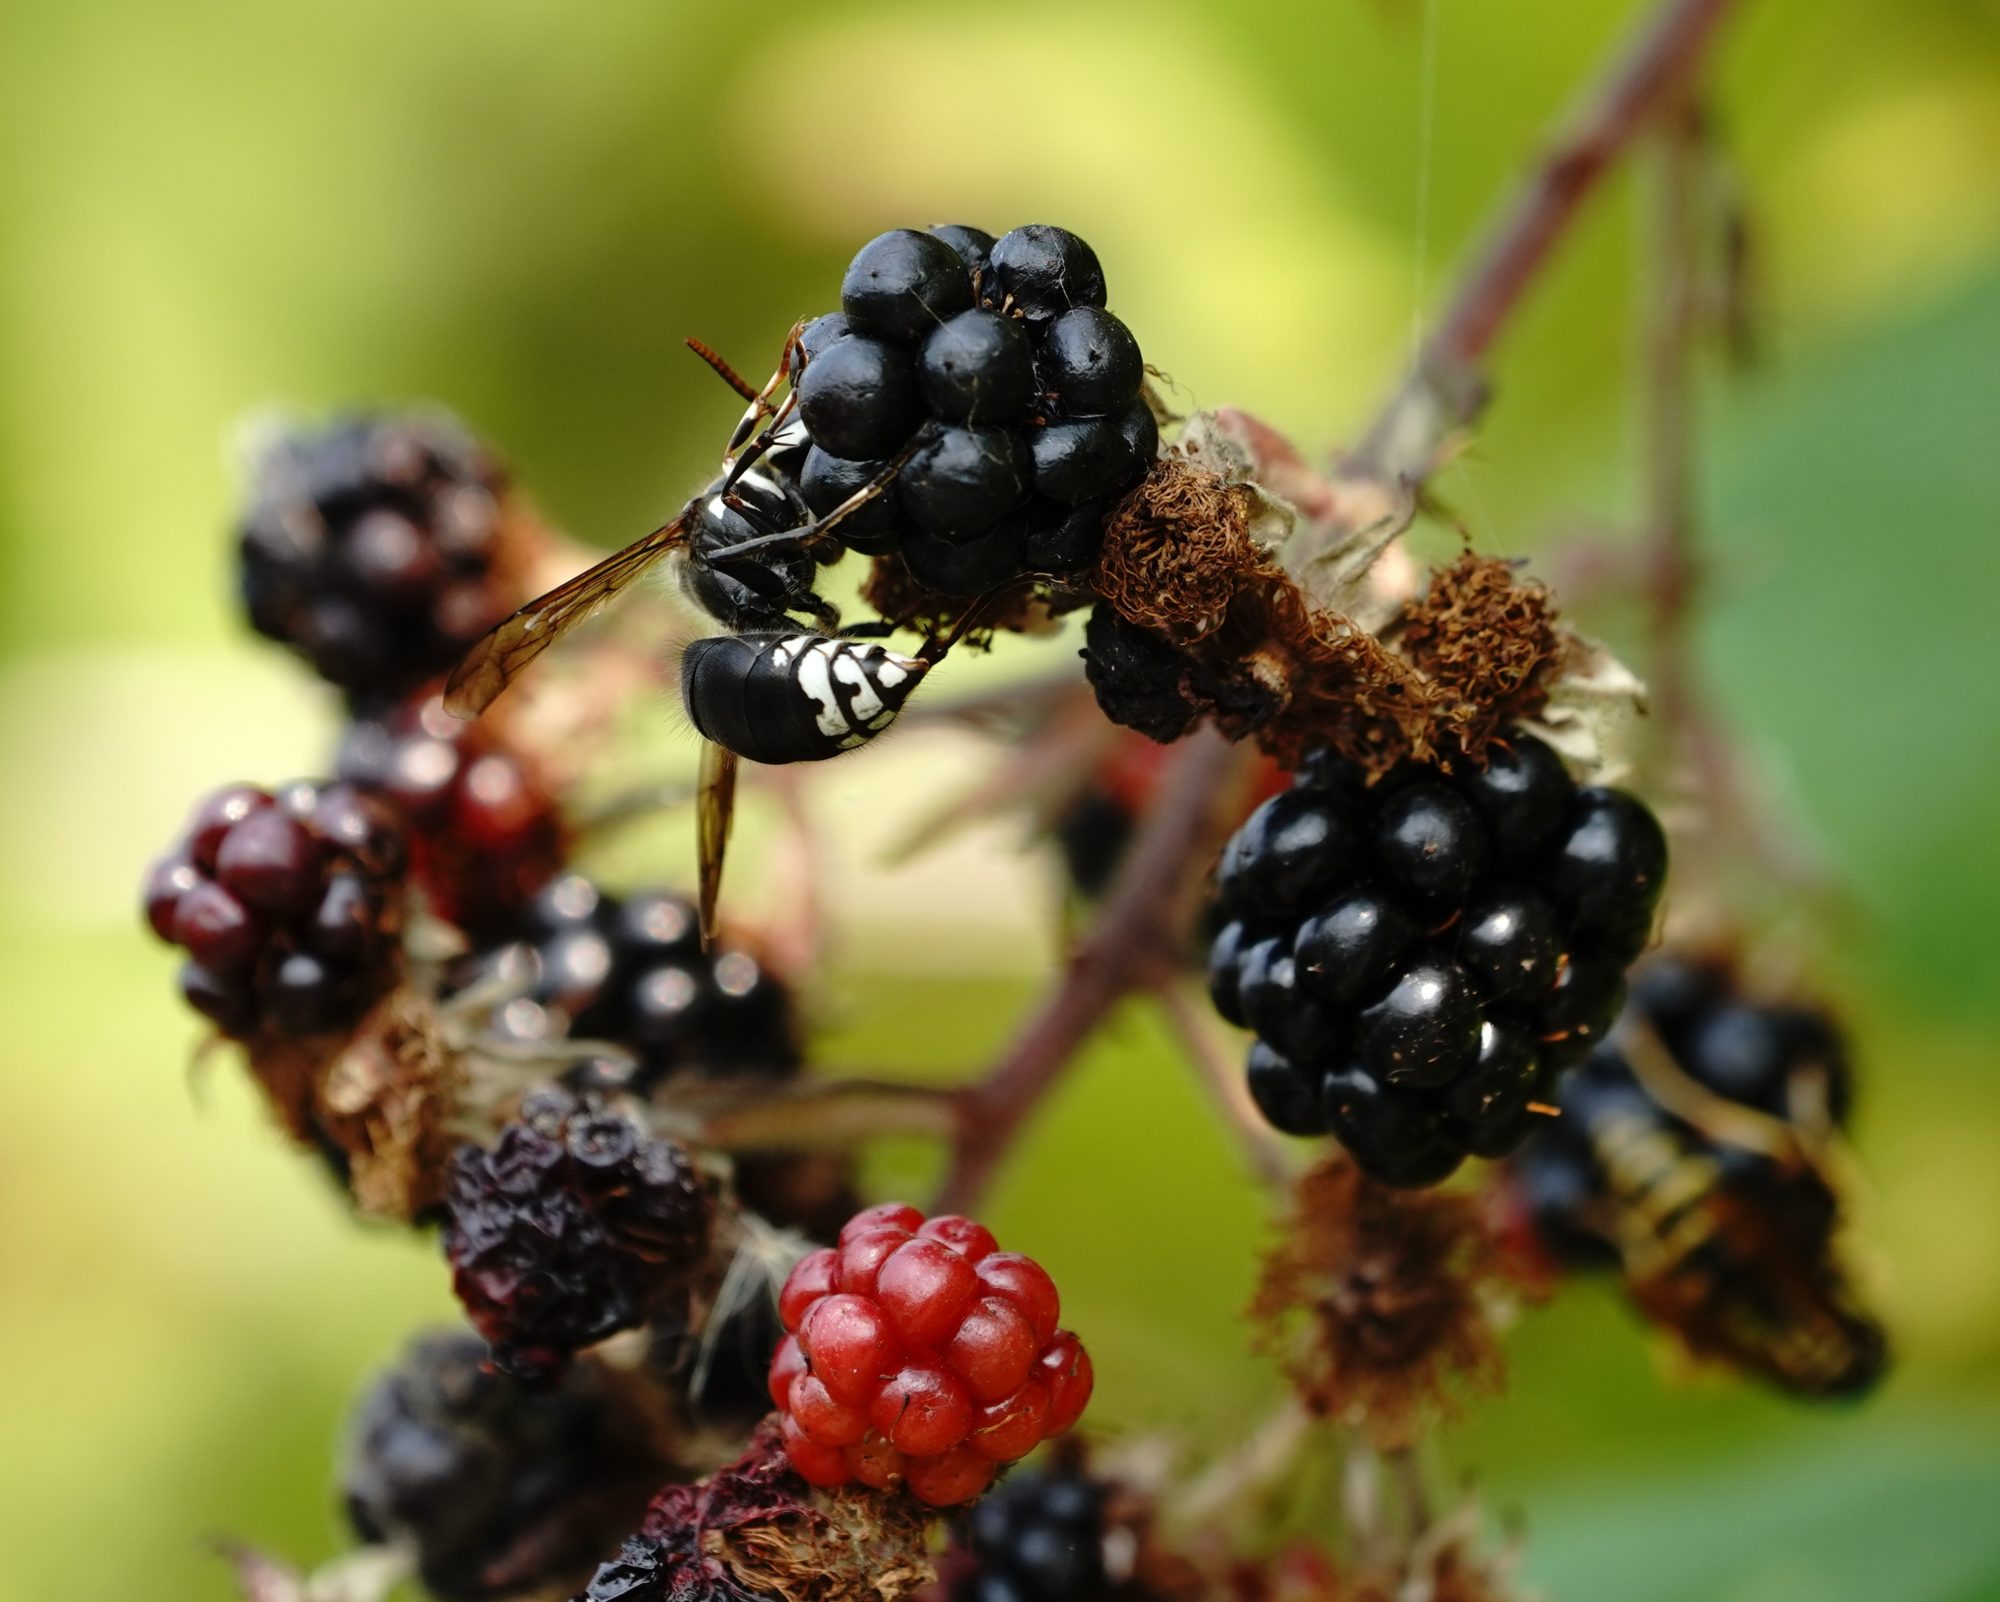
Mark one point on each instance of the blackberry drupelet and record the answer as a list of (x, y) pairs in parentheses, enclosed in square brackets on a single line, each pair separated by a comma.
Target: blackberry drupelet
[(1724, 1235), (374, 547), (1421, 958), (288, 904), (484, 828), (1037, 1538), (570, 1228), (1013, 401), (497, 1490)]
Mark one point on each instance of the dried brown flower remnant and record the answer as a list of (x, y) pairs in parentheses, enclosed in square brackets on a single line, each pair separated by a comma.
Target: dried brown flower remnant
[(755, 1529), (1177, 551), (1378, 1302), (1487, 641), (1191, 561)]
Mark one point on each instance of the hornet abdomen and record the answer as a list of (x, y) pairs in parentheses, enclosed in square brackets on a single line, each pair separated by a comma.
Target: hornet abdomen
[(775, 698)]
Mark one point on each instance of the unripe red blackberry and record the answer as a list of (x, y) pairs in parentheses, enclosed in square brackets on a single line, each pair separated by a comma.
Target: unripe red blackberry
[(495, 1489), (289, 907), (1426, 954), (484, 828), (568, 1230), (376, 548), (919, 1355), (1023, 415), (1741, 1263)]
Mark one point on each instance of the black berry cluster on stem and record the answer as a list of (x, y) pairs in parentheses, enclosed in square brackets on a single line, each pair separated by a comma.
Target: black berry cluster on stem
[(1421, 957), (289, 905), (990, 370), (373, 547)]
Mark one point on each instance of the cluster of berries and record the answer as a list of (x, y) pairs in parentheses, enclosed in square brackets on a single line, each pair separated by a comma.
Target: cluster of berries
[(1419, 958), (918, 1353), (495, 1490), (374, 548), (570, 1228), (631, 971), (983, 381), (1037, 1538), (484, 829), (1724, 1232), (289, 906)]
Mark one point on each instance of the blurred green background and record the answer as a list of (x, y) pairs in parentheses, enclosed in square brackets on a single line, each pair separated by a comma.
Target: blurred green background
[(519, 209)]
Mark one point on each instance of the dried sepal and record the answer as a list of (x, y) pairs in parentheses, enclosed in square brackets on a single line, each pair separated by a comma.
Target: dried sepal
[(1381, 1304), (754, 1529)]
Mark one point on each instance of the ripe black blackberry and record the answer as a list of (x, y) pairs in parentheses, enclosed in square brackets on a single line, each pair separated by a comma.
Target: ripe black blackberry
[(375, 548), (495, 1489), (1419, 958), (1036, 1538), (1724, 1235), (573, 1226), (993, 370), (288, 904), (630, 970), (484, 829)]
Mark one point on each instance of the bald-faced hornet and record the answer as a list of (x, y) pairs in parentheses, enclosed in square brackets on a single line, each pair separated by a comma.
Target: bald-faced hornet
[(751, 545)]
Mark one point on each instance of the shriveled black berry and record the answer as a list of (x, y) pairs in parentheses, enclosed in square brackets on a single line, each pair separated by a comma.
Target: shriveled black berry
[(1609, 859), (827, 481), (978, 368), (494, 1489), (974, 245), (1511, 944), (1425, 1031), (1397, 1136), (1085, 460), (1042, 271), (966, 566), (1523, 793), (962, 480), (1347, 953), (1090, 362), (1289, 855), (859, 398), (1139, 677), (901, 285), (551, 1251), (1430, 840)]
